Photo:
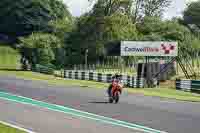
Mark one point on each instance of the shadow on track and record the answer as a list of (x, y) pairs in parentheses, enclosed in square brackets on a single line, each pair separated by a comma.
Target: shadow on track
[(95, 102)]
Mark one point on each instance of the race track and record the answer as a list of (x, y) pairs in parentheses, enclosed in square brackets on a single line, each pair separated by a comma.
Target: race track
[(165, 115), (41, 120)]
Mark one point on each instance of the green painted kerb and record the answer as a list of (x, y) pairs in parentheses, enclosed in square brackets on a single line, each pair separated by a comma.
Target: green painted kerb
[(76, 113)]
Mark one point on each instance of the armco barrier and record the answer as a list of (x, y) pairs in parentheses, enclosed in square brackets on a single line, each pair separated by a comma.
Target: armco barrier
[(128, 81), (188, 85)]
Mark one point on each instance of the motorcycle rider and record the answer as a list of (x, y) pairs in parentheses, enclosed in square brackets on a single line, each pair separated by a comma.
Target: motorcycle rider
[(115, 77)]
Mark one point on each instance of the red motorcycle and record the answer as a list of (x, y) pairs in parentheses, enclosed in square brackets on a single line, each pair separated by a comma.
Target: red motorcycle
[(115, 92)]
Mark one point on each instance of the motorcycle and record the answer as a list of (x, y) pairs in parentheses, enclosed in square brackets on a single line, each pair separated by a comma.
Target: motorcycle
[(115, 92)]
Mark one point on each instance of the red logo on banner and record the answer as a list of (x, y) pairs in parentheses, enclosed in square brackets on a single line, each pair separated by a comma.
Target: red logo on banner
[(168, 49)]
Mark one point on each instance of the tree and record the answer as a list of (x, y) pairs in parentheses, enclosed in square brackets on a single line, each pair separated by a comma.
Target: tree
[(154, 7), (22, 17), (136, 9), (151, 8), (59, 10), (40, 40), (154, 28), (108, 7), (192, 15), (61, 27), (38, 48), (190, 48), (175, 31), (150, 25), (45, 56), (94, 32)]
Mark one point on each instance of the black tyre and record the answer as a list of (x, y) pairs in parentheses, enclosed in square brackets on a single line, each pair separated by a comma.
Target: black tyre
[(116, 98), (110, 100)]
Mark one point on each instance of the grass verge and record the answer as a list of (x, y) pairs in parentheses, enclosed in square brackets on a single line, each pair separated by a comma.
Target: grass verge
[(157, 92), (168, 94), (54, 80), (9, 57), (7, 129)]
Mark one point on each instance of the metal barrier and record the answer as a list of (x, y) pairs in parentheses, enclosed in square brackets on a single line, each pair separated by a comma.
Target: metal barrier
[(188, 85), (128, 81)]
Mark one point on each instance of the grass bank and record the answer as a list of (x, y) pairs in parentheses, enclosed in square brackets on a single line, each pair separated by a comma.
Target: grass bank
[(168, 94), (157, 92), (54, 80), (9, 57), (7, 129)]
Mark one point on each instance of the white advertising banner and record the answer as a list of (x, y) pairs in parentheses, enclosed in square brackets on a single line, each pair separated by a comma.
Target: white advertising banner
[(148, 48)]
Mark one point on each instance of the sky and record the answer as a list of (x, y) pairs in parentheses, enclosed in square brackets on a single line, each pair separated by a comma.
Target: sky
[(78, 7)]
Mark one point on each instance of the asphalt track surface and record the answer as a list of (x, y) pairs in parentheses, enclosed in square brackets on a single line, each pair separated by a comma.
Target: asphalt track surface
[(161, 114), (41, 120)]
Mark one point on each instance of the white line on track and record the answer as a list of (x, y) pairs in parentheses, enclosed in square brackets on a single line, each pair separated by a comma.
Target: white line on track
[(17, 127)]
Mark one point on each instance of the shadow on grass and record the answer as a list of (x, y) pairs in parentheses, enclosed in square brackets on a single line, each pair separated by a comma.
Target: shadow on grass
[(196, 91), (84, 86), (5, 69)]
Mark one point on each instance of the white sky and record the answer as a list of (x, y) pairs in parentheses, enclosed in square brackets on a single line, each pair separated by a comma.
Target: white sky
[(78, 7)]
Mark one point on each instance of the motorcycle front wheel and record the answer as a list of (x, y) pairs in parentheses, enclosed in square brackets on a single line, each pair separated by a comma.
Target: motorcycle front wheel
[(110, 100), (117, 97)]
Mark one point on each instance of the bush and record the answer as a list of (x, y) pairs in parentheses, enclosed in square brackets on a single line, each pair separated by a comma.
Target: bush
[(45, 69), (38, 48)]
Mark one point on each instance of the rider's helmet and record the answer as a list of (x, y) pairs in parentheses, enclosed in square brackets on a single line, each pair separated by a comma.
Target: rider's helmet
[(117, 75)]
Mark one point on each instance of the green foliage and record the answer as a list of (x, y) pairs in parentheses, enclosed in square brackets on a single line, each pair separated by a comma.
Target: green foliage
[(109, 7), (119, 27), (38, 48), (154, 7), (150, 25), (132, 8), (44, 69), (155, 29), (61, 27), (54, 37), (175, 31), (60, 58), (59, 10), (45, 56), (191, 46), (22, 17), (40, 40), (152, 37), (94, 32), (192, 14)]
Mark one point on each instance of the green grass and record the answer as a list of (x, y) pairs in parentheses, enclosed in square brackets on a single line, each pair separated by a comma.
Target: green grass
[(169, 94), (9, 58), (53, 80), (157, 92), (7, 129)]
